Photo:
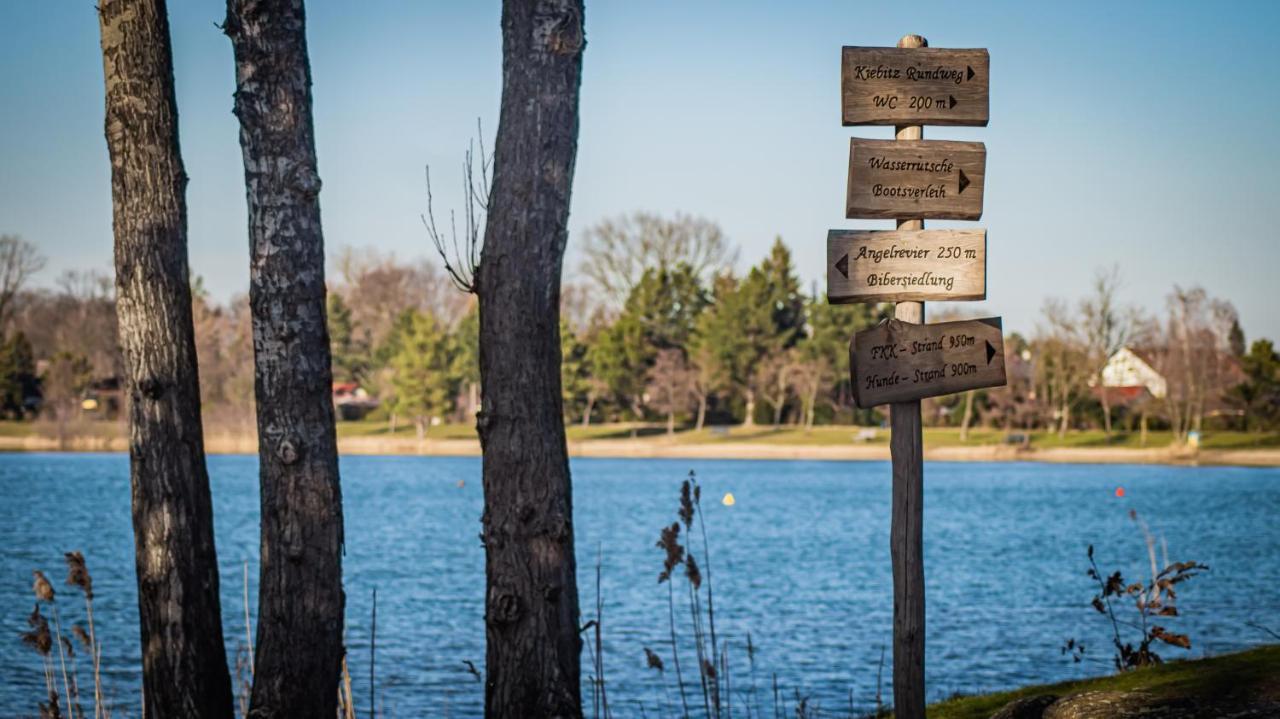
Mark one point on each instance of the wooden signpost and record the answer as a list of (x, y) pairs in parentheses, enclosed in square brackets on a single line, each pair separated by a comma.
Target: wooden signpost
[(903, 359), (898, 361), (930, 180), (918, 86), (869, 266)]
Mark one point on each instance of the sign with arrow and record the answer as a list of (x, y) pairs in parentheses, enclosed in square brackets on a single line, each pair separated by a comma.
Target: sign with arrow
[(914, 86), (924, 179), (899, 361), (906, 265)]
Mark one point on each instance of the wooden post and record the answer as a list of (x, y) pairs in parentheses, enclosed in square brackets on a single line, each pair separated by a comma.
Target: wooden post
[(906, 541)]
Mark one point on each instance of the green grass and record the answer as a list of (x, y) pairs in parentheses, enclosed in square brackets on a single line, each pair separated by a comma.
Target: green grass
[(1245, 676), (825, 435)]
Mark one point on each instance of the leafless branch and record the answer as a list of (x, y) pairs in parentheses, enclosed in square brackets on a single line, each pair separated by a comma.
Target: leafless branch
[(460, 252)]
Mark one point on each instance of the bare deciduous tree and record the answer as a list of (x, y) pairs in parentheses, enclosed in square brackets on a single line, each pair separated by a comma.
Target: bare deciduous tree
[(184, 664), (1106, 327), (19, 260), (670, 385), (617, 252)]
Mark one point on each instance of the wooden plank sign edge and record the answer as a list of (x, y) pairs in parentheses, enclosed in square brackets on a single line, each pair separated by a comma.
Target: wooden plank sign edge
[(936, 258), (979, 377), (947, 166), (896, 99)]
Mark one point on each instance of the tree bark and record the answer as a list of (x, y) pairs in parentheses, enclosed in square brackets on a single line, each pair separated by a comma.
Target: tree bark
[(300, 602), (531, 602), (184, 665), (967, 417)]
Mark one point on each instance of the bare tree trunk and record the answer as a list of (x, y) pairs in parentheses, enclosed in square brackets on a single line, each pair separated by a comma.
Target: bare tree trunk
[(184, 662), (300, 608), (702, 412), (531, 602), (751, 408), (586, 414), (671, 423), (1106, 410), (967, 417), (1065, 420)]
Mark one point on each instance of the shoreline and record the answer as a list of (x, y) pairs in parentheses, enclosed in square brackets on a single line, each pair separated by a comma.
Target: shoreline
[(665, 449)]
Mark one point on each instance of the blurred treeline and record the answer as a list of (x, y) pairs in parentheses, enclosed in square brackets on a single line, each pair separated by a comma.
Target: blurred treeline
[(658, 324)]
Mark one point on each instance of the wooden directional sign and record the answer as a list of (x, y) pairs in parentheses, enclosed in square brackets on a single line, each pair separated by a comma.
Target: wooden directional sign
[(906, 265), (916, 86), (899, 361), (925, 179)]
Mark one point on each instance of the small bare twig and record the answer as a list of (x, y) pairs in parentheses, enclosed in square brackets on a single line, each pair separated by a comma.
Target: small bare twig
[(464, 249)]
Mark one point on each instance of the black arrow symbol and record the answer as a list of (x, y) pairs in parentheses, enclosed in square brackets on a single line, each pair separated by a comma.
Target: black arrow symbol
[(964, 182), (843, 265), (953, 101), (991, 351), (970, 74)]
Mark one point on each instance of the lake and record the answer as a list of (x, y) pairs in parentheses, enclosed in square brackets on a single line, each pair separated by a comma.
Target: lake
[(800, 561)]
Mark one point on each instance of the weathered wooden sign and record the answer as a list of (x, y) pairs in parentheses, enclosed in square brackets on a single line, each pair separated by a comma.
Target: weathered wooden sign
[(915, 86), (899, 361), (906, 265), (925, 179)]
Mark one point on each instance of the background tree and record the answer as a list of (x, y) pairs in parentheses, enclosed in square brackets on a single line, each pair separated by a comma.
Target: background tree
[(531, 601), (669, 388), (300, 597), (18, 381), (184, 667), (348, 345), (19, 260), (1106, 327), (617, 252), (1063, 368), (1258, 396), (424, 364)]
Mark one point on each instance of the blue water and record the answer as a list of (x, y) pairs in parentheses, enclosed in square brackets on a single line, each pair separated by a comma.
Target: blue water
[(801, 561)]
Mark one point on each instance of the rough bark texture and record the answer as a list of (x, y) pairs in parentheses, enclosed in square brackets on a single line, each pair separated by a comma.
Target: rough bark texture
[(300, 601), (906, 524), (184, 666), (531, 603)]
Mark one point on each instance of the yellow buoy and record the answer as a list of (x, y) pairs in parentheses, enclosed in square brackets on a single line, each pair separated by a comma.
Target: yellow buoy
[(728, 499)]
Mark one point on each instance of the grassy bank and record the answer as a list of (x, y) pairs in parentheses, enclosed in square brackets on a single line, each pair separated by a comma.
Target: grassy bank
[(1218, 685), (835, 435), (760, 442)]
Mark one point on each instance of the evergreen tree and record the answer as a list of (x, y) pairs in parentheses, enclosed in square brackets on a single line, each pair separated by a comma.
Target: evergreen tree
[(660, 313), (424, 380), (1259, 395), (351, 358), (17, 376)]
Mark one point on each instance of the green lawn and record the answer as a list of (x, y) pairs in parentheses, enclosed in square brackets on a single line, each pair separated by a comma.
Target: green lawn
[(827, 435), (761, 434), (1245, 677)]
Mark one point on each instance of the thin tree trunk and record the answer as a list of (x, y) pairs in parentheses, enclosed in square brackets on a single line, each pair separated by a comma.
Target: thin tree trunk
[(967, 418), (531, 601), (751, 408), (671, 424), (184, 662), (586, 414), (300, 608), (1106, 411), (702, 411)]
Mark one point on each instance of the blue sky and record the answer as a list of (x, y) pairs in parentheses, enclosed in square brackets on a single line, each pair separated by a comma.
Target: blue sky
[(1137, 134)]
